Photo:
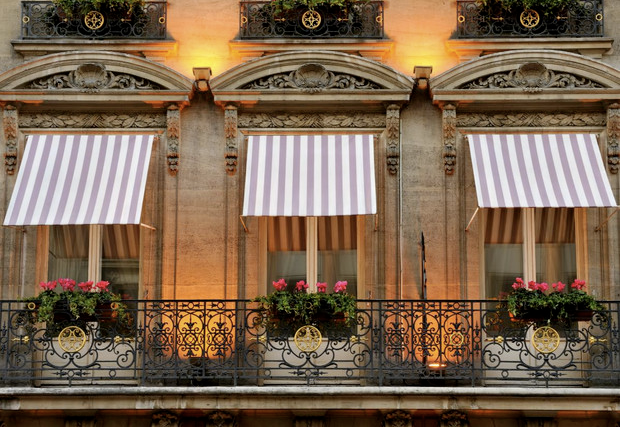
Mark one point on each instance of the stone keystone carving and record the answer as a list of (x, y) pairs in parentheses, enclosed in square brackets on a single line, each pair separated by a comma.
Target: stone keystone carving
[(453, 419), (531, 77), (397, 419)]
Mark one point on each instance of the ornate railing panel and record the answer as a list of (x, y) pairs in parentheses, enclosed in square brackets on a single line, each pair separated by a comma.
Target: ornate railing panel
[(204, 343), (43, 20), (584, 18), (258, 19)]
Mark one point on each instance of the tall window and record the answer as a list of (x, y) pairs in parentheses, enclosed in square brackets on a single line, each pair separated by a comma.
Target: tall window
[(97, 252), (322, 249), (550, 255)]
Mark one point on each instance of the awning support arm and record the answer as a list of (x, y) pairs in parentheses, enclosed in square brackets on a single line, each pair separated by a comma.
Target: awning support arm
[(472, 218), (602, 224), (243, 224), (150, 227)]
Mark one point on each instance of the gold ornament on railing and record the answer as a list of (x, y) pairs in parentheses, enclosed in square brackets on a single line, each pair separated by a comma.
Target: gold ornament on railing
[(311, 19), (308, 338), (94, 20), (529, 18), (72, 339), (545, 340)]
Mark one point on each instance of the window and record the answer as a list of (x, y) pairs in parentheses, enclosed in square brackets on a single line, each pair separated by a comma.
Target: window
[(550, 255)]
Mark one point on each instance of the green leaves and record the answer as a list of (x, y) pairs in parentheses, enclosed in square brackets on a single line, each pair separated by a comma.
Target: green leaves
[(71, 7)]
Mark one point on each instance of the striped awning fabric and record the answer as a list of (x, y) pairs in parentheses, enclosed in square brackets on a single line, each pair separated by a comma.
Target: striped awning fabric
[(81, 179), (310, 175), (539, 170)]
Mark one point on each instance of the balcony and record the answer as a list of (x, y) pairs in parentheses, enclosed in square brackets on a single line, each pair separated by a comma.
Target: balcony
[(360, 20), (43, 20), (583, 19), (224, 343)]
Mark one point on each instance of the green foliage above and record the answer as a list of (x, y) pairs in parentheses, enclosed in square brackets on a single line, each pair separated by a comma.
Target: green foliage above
[(558, 305), (282, 5), (540, 5), (71, 7)]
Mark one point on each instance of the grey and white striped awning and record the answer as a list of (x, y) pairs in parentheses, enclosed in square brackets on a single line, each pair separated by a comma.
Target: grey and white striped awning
[(310, 175), (81, 179), (539, 170)]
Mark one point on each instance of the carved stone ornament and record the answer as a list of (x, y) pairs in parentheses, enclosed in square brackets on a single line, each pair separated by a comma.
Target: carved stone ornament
[(165, 419), (221, 419), (532, 120), (67, 120), (613, 137), (453, 419), (311, 78), (392, 128), (449, 138), (397, 419), (9, 123), (92, 77), (311, 121), (81, 422), (230, 131), (173, 130), (531, 77)]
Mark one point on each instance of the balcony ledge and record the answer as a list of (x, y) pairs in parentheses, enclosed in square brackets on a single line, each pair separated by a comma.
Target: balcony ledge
[(468, 49), (154, 50)]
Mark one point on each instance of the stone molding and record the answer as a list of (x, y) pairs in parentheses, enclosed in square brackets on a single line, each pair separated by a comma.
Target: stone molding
[(165, 419), (173, 136), (613, 137), (526, 120), (397, 419), (531, 77), (230, 132), (221, 419), (10, 122), (69, 120), (453, 419), (311, 120), (392, 127), (448, 118)]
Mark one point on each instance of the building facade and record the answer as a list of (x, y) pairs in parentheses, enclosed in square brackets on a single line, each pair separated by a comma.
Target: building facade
[(192, 153)]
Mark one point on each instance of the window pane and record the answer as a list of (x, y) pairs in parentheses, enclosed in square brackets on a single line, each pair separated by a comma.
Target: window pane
[(556, 258), (121, 259), (68, 252), (337, 256), (503, 250), (286, 250)]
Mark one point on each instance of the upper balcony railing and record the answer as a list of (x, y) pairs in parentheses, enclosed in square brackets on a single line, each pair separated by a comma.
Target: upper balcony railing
[(364, 19), (469, 343), (44, 20), (583, 18)]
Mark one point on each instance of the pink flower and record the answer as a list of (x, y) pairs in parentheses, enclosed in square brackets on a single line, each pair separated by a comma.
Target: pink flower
[(543, 287), (86, 286), (578, 284), (532, 285), (321, 287), (280, 285), (301, 286), (559, 287), (102, 286), (340, 287), (67, 284), (48, 286)]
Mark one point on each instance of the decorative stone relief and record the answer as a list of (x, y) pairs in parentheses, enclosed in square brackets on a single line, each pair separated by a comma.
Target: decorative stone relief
[(392, 128), (221, 419), (531, 77), (309, 422), (531, 120), (165, 419), (230, 131), (539, 422), (91, 78), (397, 419), (613, 137), (453, 419), (80, 422), (313, 121), (173, 131), (449, 138), (9, 122), (69, 120), (311, 78)]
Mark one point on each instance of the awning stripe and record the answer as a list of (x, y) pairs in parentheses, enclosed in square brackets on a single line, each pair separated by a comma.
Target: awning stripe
[(539, 170), (310, 175), (81, 179)]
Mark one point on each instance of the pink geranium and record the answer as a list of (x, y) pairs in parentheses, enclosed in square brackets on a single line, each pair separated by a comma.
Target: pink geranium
[(340, 286), (559, 287), (301, 286), (321, 287), (86, 286), (67, 284), (578, 284), (102, 286), (48, 286), (280, 285)]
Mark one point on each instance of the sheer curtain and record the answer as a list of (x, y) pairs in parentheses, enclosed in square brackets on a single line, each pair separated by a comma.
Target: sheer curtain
[(68, 252), (556, 257), (503, 249)]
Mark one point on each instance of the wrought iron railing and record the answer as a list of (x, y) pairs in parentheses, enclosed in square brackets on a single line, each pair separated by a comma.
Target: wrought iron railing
[(364, 19), (44, 20), (583, 18), (204, 343)]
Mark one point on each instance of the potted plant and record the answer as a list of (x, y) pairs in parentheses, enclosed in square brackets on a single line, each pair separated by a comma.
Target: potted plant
[(556, 303), (82, 7), (284, 312), (544, 7), (284, 5), (62, 301)]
